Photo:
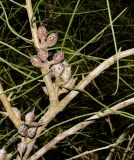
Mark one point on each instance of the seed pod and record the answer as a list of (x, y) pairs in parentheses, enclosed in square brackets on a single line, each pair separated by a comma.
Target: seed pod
[(52, 39), (34, 124), (21, 147), (43, 54), (29, 117), (23, 129), (3, 154), (32, 132), (17, 113), (57, 69), (58, 57), (42, 33), (70, 84), (36, 61), (66, 75)]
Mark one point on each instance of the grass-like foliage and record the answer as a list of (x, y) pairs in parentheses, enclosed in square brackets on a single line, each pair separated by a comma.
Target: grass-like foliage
[(85, 111)]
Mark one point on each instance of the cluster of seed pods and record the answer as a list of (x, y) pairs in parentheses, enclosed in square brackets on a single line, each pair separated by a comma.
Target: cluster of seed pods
[(59, 68), (28, 128)]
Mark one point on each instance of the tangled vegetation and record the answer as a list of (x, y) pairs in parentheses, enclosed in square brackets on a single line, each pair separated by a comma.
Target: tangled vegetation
[(68, 65)]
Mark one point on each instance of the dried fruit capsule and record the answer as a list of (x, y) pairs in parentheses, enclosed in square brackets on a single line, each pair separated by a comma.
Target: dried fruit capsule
[(34, 124), (42, 33), (32, 132), (58, 57), (66, 75), (70, 84), (36, 61), (23, 129), (43, 54), (57, 69), (29, 117), (52, 39), (3, 154), (17, 112), (22, 148)]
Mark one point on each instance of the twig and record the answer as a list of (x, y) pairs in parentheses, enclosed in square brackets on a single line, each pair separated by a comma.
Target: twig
[(8, 108), (32, 21), (92, 151), (79, 126), (3, 113), (128, 146), (95, 73), (45, 70), (17, 3), (112, 151), (53, 98), (82, 84)]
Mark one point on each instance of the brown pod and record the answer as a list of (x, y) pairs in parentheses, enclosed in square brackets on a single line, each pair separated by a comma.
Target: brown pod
[(43, 54), (36, 61), (34, 124), (70, 84), (52, 39), (32, 132), (3, 154), (23, 129), (57, 69), (66, 75), (42, 33), (58, 57), (29, 117)]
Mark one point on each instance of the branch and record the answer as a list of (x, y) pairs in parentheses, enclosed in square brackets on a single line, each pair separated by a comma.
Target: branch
[(53, 111), (32, 21), (54, 108), (45, 69), (83, 83), (8, 108), (77, 127), (94, 150), (53, 98), (130, 143), (119, 139)]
